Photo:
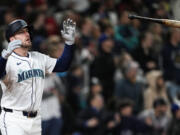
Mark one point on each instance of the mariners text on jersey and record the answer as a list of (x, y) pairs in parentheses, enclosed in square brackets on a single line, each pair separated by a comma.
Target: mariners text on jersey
[(29, 74)]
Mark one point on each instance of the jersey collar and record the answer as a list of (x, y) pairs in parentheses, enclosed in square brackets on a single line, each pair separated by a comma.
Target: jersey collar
[(21, 57)]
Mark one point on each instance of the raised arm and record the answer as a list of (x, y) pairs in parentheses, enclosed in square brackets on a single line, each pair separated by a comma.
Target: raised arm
[(6, 53), (68, 33), (64, 61)]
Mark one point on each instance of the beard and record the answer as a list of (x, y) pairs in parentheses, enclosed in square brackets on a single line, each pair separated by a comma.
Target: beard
[(27, 45)]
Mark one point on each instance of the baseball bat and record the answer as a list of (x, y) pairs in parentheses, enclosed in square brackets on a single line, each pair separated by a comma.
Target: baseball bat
[(166, 22)]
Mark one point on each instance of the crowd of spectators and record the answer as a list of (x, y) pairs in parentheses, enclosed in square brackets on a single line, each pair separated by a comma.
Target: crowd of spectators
[(125, 75)]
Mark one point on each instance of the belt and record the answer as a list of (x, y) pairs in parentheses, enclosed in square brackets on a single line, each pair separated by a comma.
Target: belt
[(24, 113)]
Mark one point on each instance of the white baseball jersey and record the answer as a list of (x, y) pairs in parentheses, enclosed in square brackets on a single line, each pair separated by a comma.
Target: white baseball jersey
[(24, 81)]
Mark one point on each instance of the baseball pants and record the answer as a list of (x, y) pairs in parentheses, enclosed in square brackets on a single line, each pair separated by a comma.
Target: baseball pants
[(14, 123)]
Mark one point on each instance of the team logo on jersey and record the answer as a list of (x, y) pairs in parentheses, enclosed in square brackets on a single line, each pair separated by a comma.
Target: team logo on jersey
[(18, 63), (29, 74)]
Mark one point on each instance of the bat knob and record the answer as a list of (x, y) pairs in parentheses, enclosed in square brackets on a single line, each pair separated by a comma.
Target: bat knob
[(130, 16)]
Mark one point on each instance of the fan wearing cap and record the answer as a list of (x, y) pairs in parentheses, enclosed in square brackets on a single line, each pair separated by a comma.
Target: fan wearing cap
[(22, 74), (174, 124)]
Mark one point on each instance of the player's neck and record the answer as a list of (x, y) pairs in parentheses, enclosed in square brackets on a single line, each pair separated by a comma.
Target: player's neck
[(21, 51)]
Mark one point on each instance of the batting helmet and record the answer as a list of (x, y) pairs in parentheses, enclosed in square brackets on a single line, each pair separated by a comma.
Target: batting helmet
[(15, 26)]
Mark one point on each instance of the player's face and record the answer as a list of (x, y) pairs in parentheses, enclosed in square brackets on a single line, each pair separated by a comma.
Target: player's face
[(24, 36)]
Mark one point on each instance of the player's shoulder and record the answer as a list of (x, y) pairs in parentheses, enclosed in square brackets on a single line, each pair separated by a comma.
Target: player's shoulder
[(36, 54)]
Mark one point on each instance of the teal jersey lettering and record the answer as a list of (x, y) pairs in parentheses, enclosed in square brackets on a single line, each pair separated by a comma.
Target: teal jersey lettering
[(30, 74)]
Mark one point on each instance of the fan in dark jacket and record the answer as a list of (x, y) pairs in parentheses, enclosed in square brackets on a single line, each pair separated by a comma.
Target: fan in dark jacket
[(174, 125), (170, 57), (129, 125), (94, 120), (143, 54), (103, 67)]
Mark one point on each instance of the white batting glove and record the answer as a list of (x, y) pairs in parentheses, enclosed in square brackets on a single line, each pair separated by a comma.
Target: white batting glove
[(11, 46), (68, 32)]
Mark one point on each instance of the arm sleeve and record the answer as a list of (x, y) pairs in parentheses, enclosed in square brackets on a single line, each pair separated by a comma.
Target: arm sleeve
[(64, 61), (2, 66)]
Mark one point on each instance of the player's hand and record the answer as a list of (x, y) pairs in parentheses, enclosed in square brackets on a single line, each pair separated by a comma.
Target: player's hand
[(68, 32), (11, 46)]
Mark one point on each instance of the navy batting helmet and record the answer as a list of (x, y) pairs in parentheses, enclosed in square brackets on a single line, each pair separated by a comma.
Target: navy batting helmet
[(15, 26)]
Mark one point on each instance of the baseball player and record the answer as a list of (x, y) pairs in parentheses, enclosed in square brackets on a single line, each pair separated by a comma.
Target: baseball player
[(22, 77)]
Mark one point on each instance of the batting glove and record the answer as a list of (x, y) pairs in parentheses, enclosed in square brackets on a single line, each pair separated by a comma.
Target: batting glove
[(68, 32), (11, 46)]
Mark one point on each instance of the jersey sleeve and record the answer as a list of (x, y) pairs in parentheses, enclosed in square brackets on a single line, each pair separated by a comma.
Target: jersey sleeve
[(2, 67), (49, 64)]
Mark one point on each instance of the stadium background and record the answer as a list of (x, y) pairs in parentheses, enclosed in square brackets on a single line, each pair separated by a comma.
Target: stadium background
[(127, 71)]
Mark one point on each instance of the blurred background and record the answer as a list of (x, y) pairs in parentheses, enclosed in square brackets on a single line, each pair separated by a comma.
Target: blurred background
[(125, 75)]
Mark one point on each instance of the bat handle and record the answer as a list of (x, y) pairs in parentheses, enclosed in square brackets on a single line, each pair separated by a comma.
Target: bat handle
[(130, 16)]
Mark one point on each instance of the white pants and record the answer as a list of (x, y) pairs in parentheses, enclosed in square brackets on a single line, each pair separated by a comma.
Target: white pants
[(14, 123)]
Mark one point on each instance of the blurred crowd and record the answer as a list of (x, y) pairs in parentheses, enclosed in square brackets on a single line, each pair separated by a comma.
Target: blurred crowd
[(125, 75)]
